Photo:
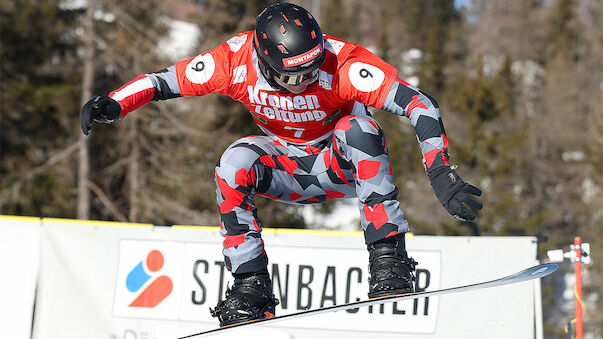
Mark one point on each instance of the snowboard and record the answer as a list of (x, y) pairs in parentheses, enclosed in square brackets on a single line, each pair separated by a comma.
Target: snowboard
[(525, 275)]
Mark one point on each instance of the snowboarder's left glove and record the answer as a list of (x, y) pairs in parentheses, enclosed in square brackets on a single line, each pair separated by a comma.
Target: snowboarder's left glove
[(100, 109), (453, 193)]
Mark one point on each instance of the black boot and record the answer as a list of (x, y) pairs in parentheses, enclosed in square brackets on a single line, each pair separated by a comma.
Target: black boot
[(391, 270), (249, 298)]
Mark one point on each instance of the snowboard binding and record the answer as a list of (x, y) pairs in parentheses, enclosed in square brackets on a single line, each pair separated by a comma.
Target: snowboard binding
[(391, 270), (250, 298)]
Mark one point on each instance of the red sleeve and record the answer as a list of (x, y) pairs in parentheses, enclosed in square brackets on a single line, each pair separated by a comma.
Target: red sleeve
[(200, 75), (206, 73), (362, 76), (134, 94)]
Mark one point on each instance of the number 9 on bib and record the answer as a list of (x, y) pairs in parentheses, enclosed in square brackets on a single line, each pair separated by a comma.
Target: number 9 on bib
[(365, 77)]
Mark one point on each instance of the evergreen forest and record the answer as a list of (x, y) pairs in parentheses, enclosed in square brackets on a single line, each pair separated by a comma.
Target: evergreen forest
[(519, 84)]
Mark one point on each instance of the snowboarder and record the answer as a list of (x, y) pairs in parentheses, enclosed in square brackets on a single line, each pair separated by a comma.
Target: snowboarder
[(308, 92)]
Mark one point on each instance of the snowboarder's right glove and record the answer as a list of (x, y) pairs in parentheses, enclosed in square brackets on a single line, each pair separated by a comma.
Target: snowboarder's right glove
[(100, 109), (453, 193)]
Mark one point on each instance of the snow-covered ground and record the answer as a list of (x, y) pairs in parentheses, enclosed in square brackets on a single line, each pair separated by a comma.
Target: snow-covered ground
[(345, 216)]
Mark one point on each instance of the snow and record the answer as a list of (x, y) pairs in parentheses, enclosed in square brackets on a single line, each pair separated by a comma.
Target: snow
[(573, 156), (345, 216), (181, 41), (590, 191), (99, 15), (409, 65), (73, 4)]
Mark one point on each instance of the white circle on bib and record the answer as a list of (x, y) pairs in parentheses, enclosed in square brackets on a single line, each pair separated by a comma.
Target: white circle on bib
[(200, 69), (365, 77)]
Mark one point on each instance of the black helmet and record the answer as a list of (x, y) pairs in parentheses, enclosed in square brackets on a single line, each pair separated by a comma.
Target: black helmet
[(289, 43)]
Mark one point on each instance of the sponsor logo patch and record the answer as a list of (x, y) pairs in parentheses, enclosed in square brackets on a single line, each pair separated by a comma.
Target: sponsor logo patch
[(303, 58), (239, 74), (236, 42)]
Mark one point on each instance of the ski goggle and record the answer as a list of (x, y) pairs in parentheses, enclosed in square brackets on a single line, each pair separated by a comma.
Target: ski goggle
[(298, 79)]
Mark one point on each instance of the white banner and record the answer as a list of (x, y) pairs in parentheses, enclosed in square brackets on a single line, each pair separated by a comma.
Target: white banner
[(19, 259), (149, 282), (302, 280)]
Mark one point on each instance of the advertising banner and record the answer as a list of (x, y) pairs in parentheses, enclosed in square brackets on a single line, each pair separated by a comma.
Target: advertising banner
[(19, 259), (139, 281), (153, 284)]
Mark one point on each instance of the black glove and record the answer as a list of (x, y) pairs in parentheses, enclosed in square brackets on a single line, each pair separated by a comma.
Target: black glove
[(452, 192), (100, 109)]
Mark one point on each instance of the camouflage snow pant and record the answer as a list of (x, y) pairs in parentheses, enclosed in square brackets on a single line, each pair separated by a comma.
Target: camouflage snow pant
[(353, 163)]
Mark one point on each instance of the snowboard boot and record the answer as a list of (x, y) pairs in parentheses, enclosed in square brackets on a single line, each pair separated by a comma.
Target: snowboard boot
[(249, 298), (391, 270)]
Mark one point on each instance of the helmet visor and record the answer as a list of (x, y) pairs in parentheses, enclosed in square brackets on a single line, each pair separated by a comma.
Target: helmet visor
[(298, 79)]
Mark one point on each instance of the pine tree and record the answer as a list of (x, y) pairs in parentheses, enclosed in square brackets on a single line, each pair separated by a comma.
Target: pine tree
[(335, 21), (39, 97)]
